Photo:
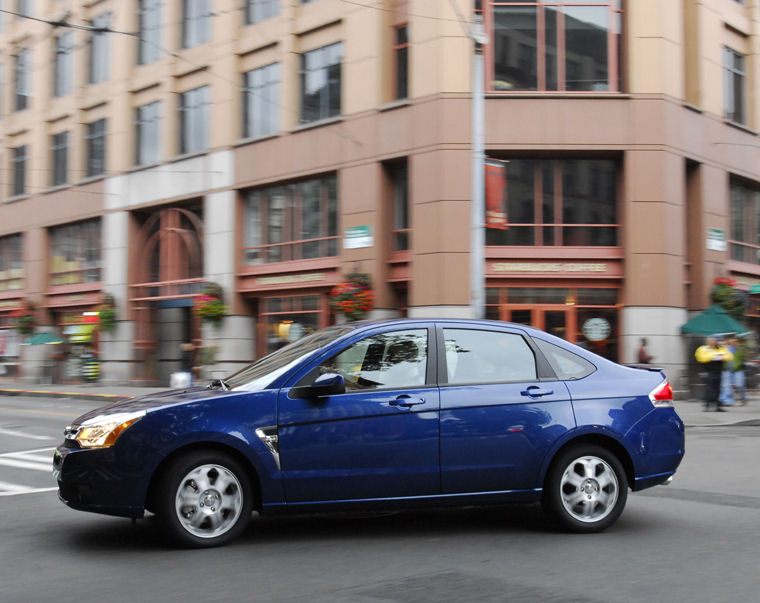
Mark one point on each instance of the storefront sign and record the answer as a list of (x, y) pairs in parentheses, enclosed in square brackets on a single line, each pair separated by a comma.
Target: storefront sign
[(548, 267), (716, 239), (290, 279), (596, 329), (355, 237)]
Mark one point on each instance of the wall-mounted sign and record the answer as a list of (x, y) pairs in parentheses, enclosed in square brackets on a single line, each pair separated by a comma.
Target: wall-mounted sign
[(548, 267), (716, 239), (596, 329), (355, 237), (290, 279)]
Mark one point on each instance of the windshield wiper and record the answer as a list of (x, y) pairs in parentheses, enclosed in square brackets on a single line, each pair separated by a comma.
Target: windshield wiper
[(219, 383)]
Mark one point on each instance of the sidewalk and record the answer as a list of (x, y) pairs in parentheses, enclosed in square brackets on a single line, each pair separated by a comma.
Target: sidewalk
[(690, 411)]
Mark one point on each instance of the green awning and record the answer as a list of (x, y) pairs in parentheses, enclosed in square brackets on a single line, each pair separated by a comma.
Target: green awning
[(713, 321)]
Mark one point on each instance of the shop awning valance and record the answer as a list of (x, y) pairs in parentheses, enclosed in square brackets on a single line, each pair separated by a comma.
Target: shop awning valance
[(713, 321)]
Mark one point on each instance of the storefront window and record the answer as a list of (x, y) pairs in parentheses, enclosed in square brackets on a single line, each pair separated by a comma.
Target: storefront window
[(292, 222), (287, 319), (75, 253), (11, 263), (559, 202), (745, 223)]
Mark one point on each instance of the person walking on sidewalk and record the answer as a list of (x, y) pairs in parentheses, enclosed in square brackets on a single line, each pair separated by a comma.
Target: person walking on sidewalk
[(644, 356), (713, 356), (727, 378), (739, 376)]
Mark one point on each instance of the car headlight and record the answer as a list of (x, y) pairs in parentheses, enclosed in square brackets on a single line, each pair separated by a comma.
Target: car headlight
[(102, 432)]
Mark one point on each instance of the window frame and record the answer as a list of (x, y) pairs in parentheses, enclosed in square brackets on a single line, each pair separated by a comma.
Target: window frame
[(59, 158), (256, 11), (12, 268), (95, 141), (400, 50), (18, 167), (22, 79), (72, 240), (99, 51), (150, 125), (194, 114), (261, 100), (327, 105), (63, 64), (149, 26), (735, 76), (196, 23)]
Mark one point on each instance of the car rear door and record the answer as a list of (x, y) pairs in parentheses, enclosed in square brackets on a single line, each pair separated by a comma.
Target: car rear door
[(501, 409), (379, 439)]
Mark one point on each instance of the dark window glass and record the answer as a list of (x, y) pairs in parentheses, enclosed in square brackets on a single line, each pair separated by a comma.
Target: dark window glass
[(321, 83), (401, 50), (562, 45), (149, 31), (259, 10), (567, 202), (261, 101), (745, 222), (193, 119), (99, 50), (390, 360), (474, 356), (597, 297), (147, 133), (537, 295), (63, 78), (292, 221), (96, 148), (11, 262), (22, 77), (399, 176), (196, 22), (566, 365), (735, 85), (60, 156), (75, 253), (19, 170)]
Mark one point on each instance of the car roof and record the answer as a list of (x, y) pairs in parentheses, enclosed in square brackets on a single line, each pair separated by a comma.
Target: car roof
[(468, 321)]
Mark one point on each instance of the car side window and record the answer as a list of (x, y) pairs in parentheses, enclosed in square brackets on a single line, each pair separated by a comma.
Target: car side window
[(565, 364), (388, 360), (474, 356)]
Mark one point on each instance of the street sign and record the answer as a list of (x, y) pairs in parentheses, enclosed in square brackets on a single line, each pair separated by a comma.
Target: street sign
[(716, 239), (355, 237)]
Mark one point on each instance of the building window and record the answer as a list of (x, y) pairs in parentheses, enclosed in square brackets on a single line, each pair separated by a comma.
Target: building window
[(99, 50), (96, 148), (75, 253), (292, 222), (261, 98), (196, 22), (399, 178), (745, 222), (560, 46), (260, 10), (19, 171), (23, 79), (735, 85), (147, 133), (24, 8), (401, 62), (193, 120), (60, 159), (11, 262), (559, 202), (321, 82), (149, 34), (289, 318), (63, 75)]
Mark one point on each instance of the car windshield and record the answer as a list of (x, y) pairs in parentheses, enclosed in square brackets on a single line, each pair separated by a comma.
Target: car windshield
[(264, 371)]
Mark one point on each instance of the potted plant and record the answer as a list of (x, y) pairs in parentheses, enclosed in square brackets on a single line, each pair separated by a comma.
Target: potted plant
[(209, 305), (26, 318)]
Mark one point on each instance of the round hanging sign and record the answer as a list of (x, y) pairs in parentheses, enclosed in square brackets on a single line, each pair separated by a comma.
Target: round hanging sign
[(596, 329)]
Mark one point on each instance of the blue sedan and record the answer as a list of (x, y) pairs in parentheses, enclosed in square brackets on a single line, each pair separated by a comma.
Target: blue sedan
[(378, 415)]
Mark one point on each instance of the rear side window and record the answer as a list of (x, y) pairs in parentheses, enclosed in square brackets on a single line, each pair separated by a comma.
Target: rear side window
[(565, 364), (474, 356)]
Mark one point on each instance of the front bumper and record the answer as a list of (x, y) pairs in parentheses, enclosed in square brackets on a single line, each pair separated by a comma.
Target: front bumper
[(95, 480)]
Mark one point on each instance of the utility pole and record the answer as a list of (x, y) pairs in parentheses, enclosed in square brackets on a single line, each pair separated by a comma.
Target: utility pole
[(477, 204)]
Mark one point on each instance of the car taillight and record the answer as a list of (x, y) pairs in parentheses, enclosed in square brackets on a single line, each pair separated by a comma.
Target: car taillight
[(662, 395)]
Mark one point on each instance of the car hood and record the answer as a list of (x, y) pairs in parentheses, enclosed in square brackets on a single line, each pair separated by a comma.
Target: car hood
[(153, 402)]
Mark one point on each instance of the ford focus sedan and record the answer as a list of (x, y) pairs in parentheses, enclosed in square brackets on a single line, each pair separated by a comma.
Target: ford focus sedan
[(382, 415)]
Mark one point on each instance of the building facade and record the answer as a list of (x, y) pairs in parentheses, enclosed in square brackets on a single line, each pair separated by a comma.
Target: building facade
[(272, 146)]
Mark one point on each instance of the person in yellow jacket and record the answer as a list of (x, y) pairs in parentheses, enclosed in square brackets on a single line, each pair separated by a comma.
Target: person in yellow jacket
[(713, 355)]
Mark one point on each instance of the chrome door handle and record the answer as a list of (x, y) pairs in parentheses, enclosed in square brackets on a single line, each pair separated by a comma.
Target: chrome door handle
[(406, 401)]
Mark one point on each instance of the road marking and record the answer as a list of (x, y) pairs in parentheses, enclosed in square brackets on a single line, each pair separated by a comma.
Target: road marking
[(7, 489), (28, 411), (21, 464), (21, 434), (27, 452)]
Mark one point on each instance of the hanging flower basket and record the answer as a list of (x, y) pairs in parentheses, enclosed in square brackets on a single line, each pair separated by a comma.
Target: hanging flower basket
[(725, 294), (353, 297), (209, 305), (107, 314), (26, 318)]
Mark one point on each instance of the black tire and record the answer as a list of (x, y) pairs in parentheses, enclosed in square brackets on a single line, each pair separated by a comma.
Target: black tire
[(586, 489), (204, 499)]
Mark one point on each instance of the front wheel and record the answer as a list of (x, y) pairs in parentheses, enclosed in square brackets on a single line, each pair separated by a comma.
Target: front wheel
[(586, 489), (205, 499)]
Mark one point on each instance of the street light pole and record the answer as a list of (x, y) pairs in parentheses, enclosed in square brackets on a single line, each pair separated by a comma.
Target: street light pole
[(477, 205)]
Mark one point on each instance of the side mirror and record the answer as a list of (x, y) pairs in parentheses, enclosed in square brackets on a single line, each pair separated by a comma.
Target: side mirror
[(328, 384)]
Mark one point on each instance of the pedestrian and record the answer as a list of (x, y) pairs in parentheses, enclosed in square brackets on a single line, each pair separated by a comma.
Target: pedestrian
[(644, 357), (727, 377), (713, 356), (739, 376)]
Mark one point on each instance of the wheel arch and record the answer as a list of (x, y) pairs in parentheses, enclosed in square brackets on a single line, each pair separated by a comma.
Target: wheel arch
[(231, 451), (604, 441)]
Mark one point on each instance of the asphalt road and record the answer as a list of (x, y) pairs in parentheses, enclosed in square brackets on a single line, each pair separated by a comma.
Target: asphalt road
[(696, 540)]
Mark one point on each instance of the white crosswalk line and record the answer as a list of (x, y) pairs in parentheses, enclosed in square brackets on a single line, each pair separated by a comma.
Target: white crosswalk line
[(10, 462), (35, 451), (21, 434), (7, 489)]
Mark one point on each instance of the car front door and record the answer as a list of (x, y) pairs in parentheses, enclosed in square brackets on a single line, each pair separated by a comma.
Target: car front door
[(500, 410), (379, 439)]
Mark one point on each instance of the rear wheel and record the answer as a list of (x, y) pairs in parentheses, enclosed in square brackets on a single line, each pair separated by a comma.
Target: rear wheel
[(586, 489), (205, 499)]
